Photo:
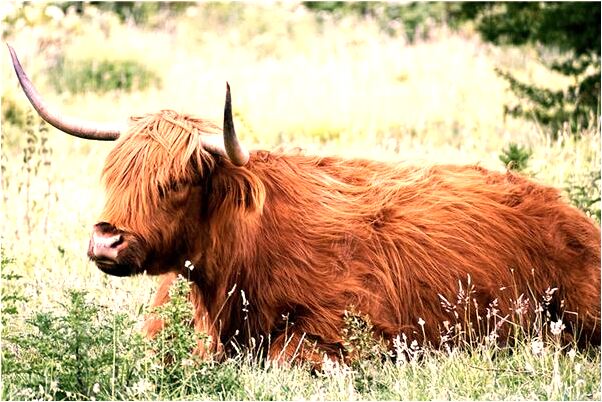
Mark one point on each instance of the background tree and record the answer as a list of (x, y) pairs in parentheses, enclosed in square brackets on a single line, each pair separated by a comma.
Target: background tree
[(571, 30)]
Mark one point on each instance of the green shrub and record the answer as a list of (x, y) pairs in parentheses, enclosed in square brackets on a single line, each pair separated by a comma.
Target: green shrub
[(365, 351), (80, 353), (572, 30), (173, 367), (102, 76), (515, 157), (584, 192)]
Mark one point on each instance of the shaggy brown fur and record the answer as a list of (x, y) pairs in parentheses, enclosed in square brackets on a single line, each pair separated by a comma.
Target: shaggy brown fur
[(308, 237)]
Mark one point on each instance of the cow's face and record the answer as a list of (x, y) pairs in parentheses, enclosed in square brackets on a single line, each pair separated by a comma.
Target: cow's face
[(126, 245), (154, 180)]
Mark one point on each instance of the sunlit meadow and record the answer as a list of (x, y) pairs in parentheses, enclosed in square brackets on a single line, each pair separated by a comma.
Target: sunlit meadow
[(328, 86)]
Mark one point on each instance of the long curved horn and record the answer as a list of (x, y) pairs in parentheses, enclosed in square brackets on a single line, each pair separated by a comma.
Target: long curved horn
[(237, 153), (78, 128)]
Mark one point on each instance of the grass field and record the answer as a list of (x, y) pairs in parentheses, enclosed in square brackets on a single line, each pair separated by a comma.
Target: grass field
[(328, 86)]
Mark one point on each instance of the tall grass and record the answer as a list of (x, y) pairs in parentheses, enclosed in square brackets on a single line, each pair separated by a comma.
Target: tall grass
[(343, 87)]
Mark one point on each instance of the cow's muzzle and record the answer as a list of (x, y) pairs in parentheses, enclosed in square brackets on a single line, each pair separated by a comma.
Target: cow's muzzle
[(109, 249)]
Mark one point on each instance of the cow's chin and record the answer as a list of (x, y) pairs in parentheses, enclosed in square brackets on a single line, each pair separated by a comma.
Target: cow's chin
[(112, 268)]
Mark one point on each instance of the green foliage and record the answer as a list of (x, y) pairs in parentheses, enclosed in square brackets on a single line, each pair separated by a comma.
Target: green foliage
[(573, 28), (84, 351), (10, 291), (102, 75), (175, 370), (78, 354), (140, 12), (358, 336), (584, 192), (515, 157), (569, 26), (365, 351), (175, 367), (12, 112), (414, 17)]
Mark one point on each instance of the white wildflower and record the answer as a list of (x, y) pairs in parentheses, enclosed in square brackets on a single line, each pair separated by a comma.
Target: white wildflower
[(96, 388), (549, 293), (245, 304), (492, 309), (529, 368), (188, 265), (572, 353), (332, 367), (421, 322), (446, 325), (400, 347), (445, 304), (493, 336), (54, 386), (537, 347), (142, 387), (578, 367), (556, 327), (27, 393), (187, 363), (521, 305)]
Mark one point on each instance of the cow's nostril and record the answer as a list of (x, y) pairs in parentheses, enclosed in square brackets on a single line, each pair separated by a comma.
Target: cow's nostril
[(107, 241), (117, 240)]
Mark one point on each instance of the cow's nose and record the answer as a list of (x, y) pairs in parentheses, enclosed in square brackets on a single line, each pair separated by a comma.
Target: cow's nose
[(106, 246)]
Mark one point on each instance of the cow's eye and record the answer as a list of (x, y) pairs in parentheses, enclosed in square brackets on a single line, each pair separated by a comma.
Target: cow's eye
[(173, 191)]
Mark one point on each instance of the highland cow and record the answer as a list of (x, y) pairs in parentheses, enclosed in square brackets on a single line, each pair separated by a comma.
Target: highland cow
[(284, 244)]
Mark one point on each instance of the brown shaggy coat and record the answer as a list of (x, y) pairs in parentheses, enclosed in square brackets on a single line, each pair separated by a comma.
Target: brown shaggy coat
[(307, 237)]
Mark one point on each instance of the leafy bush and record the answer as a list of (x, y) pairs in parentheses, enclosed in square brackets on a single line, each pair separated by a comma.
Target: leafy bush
[(358, 337), (173, 367), (573, 30), (84, 351), (584, 192), (515, 157), (81, 353), (102, 76)]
